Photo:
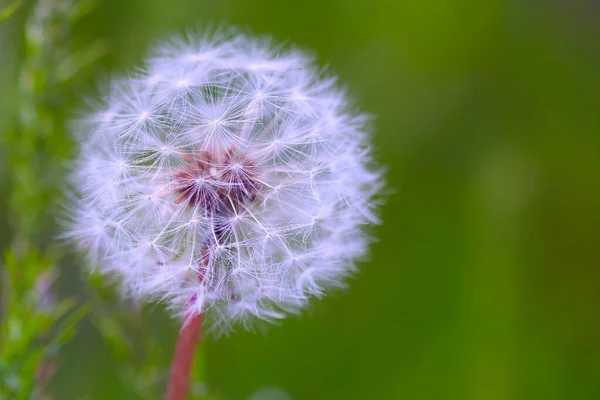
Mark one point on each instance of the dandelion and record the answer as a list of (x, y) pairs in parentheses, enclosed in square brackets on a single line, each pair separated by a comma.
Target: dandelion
[(228, 178)]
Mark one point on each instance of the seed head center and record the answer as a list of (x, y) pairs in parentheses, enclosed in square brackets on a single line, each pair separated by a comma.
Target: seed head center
[(213, 183)]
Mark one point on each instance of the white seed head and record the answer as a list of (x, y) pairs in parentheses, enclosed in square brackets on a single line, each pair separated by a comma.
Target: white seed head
[(228, 177)]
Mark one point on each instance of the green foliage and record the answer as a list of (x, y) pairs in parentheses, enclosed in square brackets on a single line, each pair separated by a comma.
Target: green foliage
[(34, 327), (35, 323), (38, 142)]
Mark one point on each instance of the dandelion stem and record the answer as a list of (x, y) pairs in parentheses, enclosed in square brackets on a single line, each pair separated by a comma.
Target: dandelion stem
[(183, 360)]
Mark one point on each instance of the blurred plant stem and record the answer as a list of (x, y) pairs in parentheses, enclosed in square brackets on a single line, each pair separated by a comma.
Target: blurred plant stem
[(35, 323)]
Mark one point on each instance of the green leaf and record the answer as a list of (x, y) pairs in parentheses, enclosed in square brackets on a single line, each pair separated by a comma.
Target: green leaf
[(8, 11)]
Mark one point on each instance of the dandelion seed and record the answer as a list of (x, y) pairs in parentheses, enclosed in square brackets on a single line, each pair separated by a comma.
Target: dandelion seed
[(229, 178)]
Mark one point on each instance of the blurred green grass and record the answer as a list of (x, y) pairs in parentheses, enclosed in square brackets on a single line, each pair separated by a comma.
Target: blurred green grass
[(485, 281)]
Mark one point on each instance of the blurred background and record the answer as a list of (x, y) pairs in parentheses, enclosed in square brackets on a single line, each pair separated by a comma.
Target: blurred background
[(485, 279)]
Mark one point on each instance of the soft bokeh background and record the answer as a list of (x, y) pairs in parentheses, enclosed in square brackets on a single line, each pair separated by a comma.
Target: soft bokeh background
[(485, 281)]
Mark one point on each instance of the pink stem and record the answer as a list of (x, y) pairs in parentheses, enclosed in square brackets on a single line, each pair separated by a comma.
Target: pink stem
[(183, 360)]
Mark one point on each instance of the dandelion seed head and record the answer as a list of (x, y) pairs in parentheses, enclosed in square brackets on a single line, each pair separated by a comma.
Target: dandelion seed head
[(228, 177)]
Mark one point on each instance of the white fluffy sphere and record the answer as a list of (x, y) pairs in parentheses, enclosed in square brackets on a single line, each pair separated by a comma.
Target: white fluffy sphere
[(229, 177)]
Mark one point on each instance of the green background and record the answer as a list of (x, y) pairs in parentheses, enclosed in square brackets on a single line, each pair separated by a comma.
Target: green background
[(485, 279)]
